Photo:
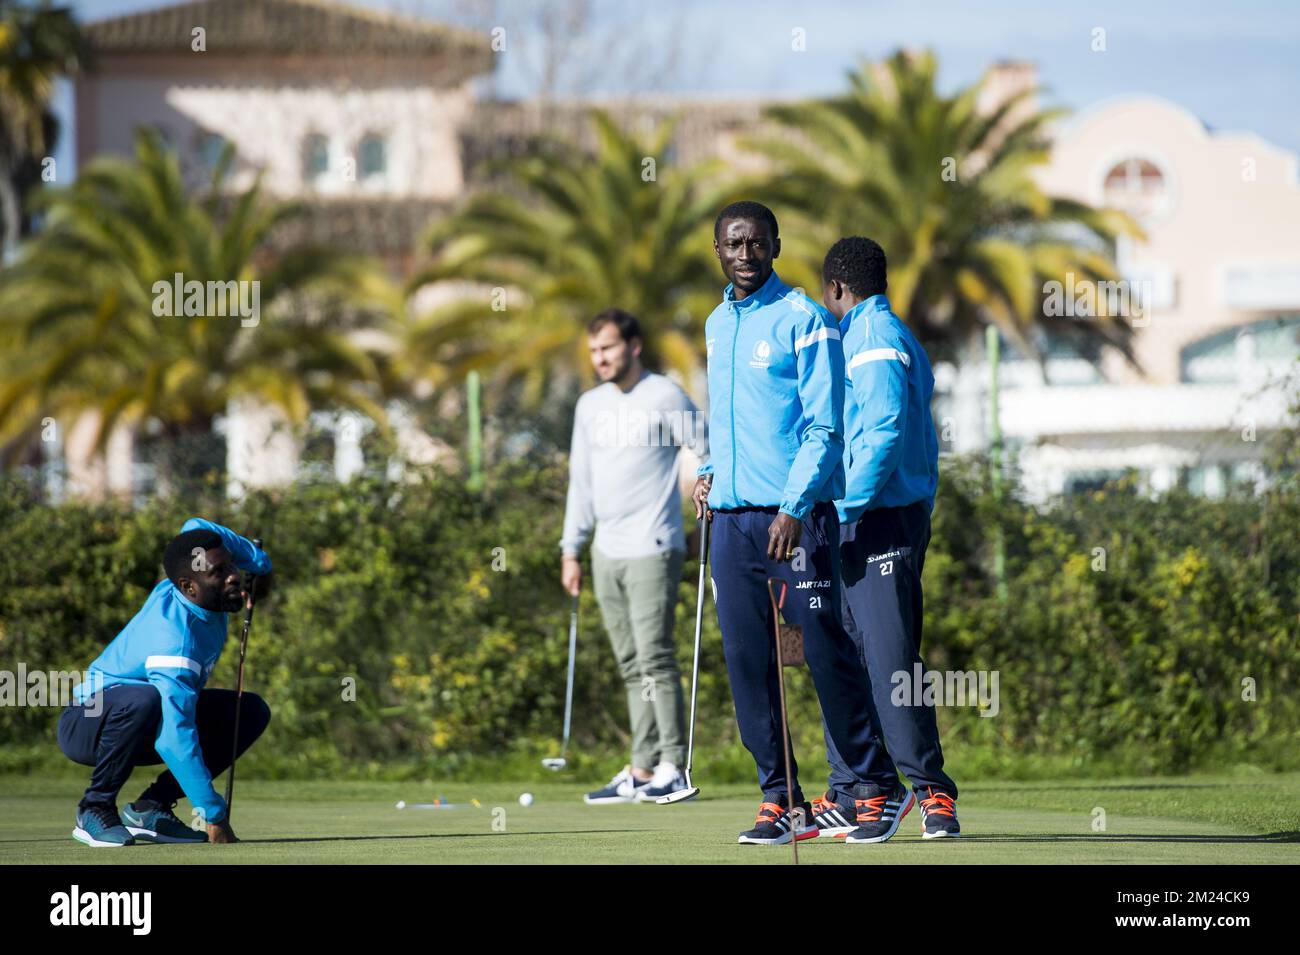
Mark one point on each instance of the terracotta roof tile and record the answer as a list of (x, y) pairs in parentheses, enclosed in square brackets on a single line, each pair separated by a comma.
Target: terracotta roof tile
[(241, 27)]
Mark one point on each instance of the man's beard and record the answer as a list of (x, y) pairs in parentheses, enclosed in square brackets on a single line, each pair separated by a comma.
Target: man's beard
[(620, 371)]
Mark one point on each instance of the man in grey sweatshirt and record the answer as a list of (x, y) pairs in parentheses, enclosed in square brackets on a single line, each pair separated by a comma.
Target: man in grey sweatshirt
[(623, 469)]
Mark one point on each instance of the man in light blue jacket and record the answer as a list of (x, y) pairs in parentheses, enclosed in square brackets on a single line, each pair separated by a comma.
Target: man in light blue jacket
[(776, 421), (892, 471), (144, 701)]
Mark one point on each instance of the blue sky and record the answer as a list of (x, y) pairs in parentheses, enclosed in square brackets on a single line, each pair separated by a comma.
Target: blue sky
[(1233, 64)]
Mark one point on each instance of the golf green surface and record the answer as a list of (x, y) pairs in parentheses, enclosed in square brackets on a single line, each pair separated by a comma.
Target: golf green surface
[(1192, 819)]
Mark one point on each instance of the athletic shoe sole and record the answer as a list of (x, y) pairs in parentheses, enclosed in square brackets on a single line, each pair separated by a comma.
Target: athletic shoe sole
[(898, 820), (81, 835), (148, 835), (834, 832), (941, 834), (781, 840)]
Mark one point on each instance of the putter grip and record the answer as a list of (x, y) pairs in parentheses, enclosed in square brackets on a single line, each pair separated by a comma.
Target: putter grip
[(252, 593)]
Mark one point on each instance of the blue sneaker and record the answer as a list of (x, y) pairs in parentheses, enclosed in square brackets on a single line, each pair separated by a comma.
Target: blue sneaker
[(154, 822), (833, 818), (938, 815), (100, 826), (622, 788), (880, 811), (776, 826)]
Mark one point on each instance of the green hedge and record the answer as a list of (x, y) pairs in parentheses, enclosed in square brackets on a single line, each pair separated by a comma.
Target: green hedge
[(444, 608)]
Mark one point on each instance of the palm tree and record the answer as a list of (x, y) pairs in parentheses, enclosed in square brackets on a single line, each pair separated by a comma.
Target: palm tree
[(80, 322), (37, 43), (564, 235), (967, 248)]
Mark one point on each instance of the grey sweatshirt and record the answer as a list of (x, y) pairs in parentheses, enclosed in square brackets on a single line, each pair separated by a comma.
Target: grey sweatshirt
[(623, 468)]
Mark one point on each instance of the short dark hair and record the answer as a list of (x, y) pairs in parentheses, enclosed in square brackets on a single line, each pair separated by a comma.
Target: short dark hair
[(859, 263), (747, 209), (626, 323), (178, 558)]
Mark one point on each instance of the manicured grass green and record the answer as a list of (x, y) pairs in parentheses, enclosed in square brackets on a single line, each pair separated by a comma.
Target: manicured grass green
[(1190, 819)]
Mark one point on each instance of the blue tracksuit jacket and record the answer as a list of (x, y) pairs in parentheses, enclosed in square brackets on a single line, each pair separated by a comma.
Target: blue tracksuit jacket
[(172, 644), (776, 402), (891, 455)]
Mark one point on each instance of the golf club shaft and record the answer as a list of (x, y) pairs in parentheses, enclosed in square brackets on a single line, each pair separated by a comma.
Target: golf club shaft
[(568, 690), (239, 691), (699, 621), (785, 723)]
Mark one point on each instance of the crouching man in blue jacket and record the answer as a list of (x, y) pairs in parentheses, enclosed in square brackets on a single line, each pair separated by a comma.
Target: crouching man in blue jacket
[(776, 397), (144, 702)]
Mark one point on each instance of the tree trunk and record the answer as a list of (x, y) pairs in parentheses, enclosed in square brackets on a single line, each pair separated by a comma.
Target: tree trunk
[(10, 213)]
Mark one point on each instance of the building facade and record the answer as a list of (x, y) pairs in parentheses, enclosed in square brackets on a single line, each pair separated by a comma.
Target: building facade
[(371, 120), (354, 113), (1215, 308)]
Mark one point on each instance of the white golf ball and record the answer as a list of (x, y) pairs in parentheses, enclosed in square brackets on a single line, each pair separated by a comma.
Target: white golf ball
[(526, 799), (401, 804)]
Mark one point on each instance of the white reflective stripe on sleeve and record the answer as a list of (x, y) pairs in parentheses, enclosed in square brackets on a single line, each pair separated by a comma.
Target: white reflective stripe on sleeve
[(818, 336), (171, 663), (879, 354)]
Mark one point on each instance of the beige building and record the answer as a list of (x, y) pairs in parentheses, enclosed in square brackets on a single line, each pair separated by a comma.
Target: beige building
[(358, 113), (1215, 306)]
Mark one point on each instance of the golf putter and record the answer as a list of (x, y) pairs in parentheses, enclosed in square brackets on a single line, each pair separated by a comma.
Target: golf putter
[(239, 690), (691, 790), (558, 762), (796, 814)]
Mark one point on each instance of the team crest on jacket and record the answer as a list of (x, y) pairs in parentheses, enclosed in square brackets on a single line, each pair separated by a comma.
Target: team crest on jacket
[(762, 354)]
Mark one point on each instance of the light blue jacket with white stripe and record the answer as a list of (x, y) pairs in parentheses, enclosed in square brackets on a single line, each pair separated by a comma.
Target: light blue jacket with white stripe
[(172, 644), (776, 401), (891, 458)]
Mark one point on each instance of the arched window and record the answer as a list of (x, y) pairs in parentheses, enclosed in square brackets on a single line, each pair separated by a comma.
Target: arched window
[(165, 133), (315, 158), (1216, 359), (372, 157), (1137, 186), (209, 148)]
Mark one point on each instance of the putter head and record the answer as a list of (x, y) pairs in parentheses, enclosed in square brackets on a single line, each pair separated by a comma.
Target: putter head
[(555, 762), (680, 796)]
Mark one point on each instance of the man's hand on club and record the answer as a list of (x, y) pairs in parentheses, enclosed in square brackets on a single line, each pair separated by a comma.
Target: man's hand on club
[(571, 574), (783, 537), (221, 833), (701, 497), (262, 584)]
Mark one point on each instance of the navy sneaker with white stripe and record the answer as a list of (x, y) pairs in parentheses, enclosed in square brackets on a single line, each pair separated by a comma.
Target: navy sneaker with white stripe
[(833, 818), (772, 827), (667, 780), (880, 810), (622, 788)]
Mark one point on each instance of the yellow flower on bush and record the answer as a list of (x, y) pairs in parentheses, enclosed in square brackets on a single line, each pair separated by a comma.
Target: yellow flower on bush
[(475, 585), (1189, 567)]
